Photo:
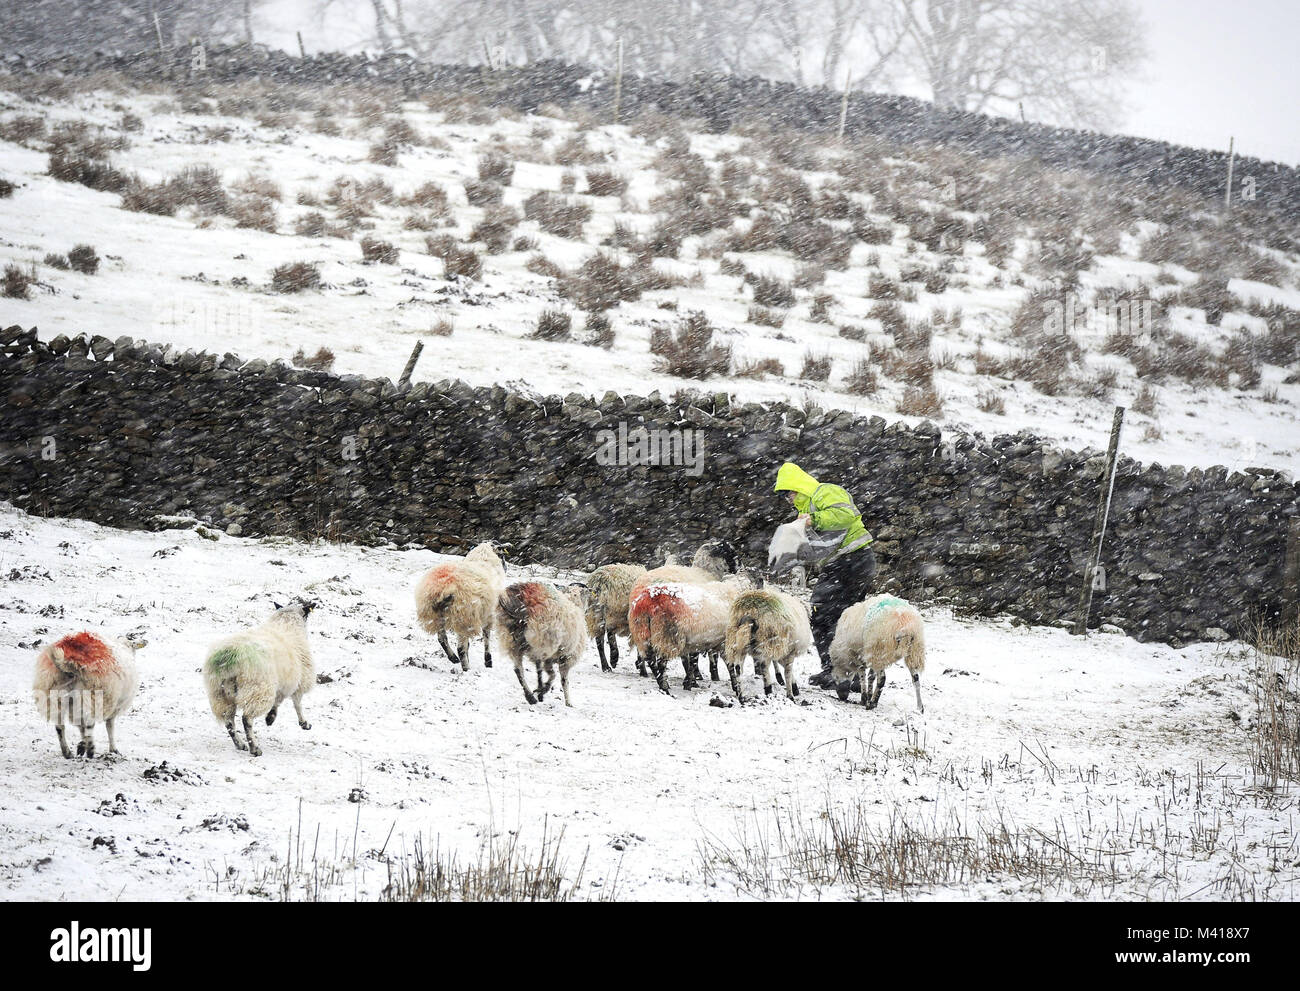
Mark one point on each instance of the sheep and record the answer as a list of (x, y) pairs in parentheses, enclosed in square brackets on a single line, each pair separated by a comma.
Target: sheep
[(255, 670), (84, 679), (774, 627), (713, 560), (874, 634), (683, 619), (546, 624), (460, 597), (610, 587)]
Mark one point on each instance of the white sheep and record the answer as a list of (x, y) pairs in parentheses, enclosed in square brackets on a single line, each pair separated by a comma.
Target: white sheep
[(85, 679), (715, 559), (872, 635), (548, 626), (255, 670), (611, 586), (683, 619), (772, 626), (460, 597)]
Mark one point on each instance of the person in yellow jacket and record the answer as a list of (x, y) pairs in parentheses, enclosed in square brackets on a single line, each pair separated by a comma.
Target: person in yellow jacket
[(840, 547)]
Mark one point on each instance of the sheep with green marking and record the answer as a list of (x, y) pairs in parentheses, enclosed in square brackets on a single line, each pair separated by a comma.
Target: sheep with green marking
[(252, 672), (771, 626)]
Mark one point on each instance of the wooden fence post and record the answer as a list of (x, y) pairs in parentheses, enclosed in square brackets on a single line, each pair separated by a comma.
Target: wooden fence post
[(618, 80), (302, 49), (405, 380), (1099, 524), (1227, 192), (844, 104)]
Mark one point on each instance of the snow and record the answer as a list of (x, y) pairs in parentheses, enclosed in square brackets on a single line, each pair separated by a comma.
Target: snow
[(181, 280), (1120, 745)]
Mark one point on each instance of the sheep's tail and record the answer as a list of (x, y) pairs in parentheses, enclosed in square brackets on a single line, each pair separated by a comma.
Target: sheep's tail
[(739, 639), (512, 616), (915, 656), (908, 625), (434, 597), (230, 663), (60, 660)]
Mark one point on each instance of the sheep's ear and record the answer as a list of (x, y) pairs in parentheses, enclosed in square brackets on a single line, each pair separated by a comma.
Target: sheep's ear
[(276, 604)]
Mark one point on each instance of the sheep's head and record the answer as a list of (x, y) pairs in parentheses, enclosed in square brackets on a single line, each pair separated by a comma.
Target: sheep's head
[(579, 594), (297, 606), (717, 557)]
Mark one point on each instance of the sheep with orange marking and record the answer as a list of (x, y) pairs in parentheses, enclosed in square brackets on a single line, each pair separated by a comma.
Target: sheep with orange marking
[(714, 560), (683, 619), (610, 588), (547, 625), (460, 597), (872, 635), (85, 679), (253, 671), (772, 626)]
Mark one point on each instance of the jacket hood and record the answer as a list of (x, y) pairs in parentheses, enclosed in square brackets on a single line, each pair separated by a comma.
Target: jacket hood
[(791, 478)]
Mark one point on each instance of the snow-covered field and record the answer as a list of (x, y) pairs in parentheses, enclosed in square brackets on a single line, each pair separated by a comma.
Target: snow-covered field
[(200, 282), (1113, 769)]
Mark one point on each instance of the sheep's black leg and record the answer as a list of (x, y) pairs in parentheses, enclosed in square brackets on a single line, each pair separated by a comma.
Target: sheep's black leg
[(688, 663), (659, 668), (916, 683), (487, 648), (234, 737), (641, 668), (87, 741), (713, 666), (734, 673), (63, 741), (696, 676), (446, 648), (868, 681), (780, 679), (600, 650), (270, 716), (613, 650), (523, 683), (880, 683), (253, 748)]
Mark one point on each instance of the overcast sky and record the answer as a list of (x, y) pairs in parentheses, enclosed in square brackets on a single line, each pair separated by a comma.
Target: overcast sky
[(1217, 68), (1221, 68)]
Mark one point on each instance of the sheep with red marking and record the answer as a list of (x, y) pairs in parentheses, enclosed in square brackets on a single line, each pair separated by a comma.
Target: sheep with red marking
[(460, 597), (546, 625), (610, 588), (85, 679), (683, 619), (872, 635), (714, 560)]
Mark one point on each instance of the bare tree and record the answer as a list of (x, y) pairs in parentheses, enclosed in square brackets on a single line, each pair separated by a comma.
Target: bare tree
[(1065, 59)]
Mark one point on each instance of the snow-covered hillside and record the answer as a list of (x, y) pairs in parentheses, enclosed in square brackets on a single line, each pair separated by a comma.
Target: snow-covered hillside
[(196, 280), (1058, 767)]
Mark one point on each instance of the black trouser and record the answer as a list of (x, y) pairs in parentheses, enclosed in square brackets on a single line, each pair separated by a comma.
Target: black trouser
[(843, 581)]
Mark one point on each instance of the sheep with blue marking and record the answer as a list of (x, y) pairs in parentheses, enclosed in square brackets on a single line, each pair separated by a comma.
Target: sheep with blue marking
[(872, 635)]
